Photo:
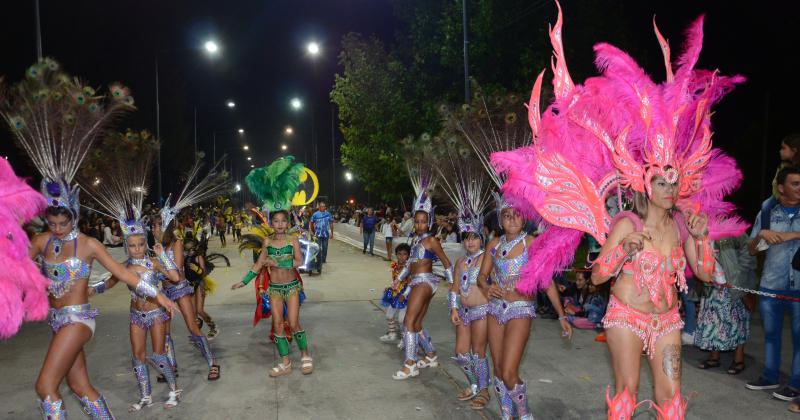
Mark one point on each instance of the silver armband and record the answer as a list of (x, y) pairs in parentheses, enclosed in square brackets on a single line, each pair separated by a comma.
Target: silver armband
[(448, 274), (453, 300), (167, 262)]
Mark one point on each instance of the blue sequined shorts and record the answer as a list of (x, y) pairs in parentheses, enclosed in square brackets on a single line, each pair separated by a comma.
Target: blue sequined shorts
[(146, 319), (81, 314), (177, 291), (504, 311)]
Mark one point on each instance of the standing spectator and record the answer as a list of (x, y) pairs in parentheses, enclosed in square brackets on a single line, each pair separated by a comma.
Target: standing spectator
[(221, 229), (109, 239), (406, 224), (724, 320), (322, 223), (388, 230), (779, 236), (368, 222)]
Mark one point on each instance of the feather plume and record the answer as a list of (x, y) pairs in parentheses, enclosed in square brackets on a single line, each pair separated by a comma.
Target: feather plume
[(276, 184)]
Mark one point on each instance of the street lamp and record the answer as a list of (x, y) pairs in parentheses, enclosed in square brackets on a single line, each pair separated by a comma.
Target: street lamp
[(348, 176), (246, 147), (241, 131), (296, 103), (231, 104), (313, 48), (237, 187), (211, 47), (284, 147), (289, 131), (252, 166), (249, 158)]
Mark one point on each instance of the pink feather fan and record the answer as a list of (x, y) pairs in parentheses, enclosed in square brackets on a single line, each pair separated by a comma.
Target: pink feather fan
[(617, 131), (23, 289)]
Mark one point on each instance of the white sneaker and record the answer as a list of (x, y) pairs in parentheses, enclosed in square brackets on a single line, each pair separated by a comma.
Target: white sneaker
[(389, 337), (687, 339)]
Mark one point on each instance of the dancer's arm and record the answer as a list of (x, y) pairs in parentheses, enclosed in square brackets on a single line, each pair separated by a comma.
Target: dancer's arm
[(622, 242), (698, 249), (453, 297), (487, 264), (124, 275), (165, 265), (555, 300), (262, 261)]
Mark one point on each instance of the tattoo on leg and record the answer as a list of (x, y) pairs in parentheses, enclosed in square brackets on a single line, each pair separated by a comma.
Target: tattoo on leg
[(672, 361)]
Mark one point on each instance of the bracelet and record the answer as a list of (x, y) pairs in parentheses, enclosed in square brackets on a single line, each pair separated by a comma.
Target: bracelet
[(561, 318), (144, 288), (453, 301), (448, 274), (99, 287), (610, 262), (705, 255), (248, 277), (167, 262)]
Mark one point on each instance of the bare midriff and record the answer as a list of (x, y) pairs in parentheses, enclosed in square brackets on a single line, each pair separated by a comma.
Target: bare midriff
[(626, 291)]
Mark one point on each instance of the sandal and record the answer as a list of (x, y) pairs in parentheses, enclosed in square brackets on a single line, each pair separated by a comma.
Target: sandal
[(213, 373), (174, 396), (428, 362), (306, 365), (144, 402), (481, 400), (402, 375), (736, 368), (281, 370), (468, 393), (708, 364), (213, 331), (199, 322)]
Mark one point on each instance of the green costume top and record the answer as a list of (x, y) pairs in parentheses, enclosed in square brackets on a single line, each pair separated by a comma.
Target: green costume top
[(284, 255)]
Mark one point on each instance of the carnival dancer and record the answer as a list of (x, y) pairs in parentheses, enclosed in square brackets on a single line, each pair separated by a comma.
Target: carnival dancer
[(172, 238), (425, 249), (279, 259), (466, 186), (622, 133), (198, 267), (121, 199), (393, 298), (55, 119)]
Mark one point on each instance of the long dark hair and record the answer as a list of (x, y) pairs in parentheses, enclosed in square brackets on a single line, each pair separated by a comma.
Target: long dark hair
[(793, 141)]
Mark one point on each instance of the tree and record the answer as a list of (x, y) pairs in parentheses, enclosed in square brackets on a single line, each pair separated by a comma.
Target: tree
[(377, 109)]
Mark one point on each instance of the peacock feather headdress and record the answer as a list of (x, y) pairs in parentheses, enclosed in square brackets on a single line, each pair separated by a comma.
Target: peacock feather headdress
[(275, 184), (55, 119), (215, 183), (119, 178)]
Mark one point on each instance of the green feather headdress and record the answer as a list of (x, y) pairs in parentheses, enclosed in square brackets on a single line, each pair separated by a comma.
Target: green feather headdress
[(276, 184)]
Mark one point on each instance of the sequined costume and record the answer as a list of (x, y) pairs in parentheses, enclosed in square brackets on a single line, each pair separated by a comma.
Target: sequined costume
[(506, 274)]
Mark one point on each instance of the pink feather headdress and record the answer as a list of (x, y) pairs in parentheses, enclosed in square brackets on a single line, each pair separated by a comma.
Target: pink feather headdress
[(615, 132)]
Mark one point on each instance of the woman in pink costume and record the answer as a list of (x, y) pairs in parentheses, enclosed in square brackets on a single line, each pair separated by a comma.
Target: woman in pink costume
[(621, 133)]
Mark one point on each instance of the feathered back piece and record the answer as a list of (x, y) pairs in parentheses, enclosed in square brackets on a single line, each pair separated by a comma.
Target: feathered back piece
[(276, 184), (23, 289), (215, 183), (423, 180), (464, 182), (617, 131), (122, 179), (494, 126), (56, 118)]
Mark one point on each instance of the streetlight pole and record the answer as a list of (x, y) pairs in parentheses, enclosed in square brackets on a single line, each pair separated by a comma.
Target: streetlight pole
[(333, 158), (158, 134), (38, 32)]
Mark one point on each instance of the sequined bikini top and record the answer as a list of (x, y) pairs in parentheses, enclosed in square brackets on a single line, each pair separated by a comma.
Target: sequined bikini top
[(64, 274), (506, 270), (284, 255), (469, 277), (419, 252), (149, 276), (657, 273)]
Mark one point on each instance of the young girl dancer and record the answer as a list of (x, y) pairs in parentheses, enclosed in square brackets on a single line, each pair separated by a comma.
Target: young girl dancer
[(393, 298), (621, 133), (171, 237), (56, 133), (281, 254), (123, 197), (425, 249)]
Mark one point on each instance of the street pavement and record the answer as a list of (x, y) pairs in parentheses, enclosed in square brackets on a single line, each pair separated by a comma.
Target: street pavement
[(352, 376)]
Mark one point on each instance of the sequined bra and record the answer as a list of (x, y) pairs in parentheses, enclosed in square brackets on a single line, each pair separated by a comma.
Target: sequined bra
[(150, 276), (419, 252), (469, 277), (64, 274), (658, 274), (284, 255), (506, 270)]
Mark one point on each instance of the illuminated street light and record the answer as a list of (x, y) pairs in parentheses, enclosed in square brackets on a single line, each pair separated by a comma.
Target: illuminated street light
[(348, 176), (252, 166), (284, 147), (237, 187), (249, 158), (241, 131), (231, 104), (313, 48), (296, 103), (289, 131), (211, 47), (246, 147)]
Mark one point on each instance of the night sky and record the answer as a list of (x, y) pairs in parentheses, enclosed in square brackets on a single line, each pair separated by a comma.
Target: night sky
[(263, 64)]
